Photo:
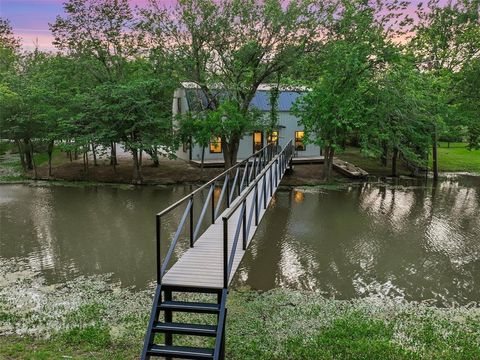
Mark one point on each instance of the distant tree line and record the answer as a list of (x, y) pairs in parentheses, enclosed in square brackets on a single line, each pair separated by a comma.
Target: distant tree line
[(392, 84)]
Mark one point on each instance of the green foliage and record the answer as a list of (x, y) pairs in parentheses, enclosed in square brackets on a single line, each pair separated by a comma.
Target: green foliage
[(446, 44), (402, 108), (113, 80), (217, 46), (353, 54)]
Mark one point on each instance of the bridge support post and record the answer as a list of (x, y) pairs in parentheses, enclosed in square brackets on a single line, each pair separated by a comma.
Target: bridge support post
[(192, 240), (225, 253), (244, 225), (256, 204), (213, 203), (159, 258), (264, 191), (271, 181)]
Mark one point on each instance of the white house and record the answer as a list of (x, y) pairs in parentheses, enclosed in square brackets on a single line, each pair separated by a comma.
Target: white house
[(190, 98)]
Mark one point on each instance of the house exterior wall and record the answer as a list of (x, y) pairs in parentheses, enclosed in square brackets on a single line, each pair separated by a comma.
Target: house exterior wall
[(287, 125), (180, 106)]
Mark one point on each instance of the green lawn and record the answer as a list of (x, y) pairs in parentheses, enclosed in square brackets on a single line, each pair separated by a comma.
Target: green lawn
[(370, 164), (457, 157), (278, 324)]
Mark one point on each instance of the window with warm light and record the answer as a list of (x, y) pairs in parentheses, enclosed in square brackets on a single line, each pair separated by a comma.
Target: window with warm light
[(216, 145), (273, 138), (299, 144), (257, 141)]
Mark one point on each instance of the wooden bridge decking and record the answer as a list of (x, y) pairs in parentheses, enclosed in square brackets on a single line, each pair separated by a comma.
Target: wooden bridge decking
[(202, 265)]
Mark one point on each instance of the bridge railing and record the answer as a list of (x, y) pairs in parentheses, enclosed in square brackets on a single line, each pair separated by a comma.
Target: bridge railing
[(269, 178), (235, 180)]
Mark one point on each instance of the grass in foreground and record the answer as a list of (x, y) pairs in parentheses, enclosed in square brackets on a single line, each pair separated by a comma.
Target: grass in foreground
[(278, 324)]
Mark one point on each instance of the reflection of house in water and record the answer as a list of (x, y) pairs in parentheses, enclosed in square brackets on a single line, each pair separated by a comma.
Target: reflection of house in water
[(298, 196)]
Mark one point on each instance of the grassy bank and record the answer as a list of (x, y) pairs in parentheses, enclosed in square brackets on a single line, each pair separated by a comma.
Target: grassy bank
[(282, 325), (91, 318), (457, 157)]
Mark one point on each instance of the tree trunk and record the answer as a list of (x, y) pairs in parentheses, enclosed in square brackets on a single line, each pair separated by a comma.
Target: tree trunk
[(50, 153), (230, 152), (21, 154), (202, 163), (94, 149), (69, 152), (32, 159), (153, 152), (435, 154), (384, 157), (328, 163), (28, 154), (113, 154), (394, 162), (137, 169), (85, 160)]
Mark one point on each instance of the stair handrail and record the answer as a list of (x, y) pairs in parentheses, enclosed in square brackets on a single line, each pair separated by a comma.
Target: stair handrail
[(260, 159), (281, 160), (220, 339)]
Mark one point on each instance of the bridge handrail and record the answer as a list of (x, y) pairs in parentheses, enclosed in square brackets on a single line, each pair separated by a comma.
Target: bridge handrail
[(260, 159), (229, 214), (281, 160), (194, 192)]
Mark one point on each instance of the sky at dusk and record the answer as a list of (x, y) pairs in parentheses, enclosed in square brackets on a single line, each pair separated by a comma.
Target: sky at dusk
[(30, 18)]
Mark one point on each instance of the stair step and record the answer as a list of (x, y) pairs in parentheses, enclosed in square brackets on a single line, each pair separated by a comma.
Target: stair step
[(185, 329), (182, 352), (184, 306)]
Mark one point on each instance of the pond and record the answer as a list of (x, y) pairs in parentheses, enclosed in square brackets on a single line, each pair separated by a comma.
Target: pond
[(408, 240)]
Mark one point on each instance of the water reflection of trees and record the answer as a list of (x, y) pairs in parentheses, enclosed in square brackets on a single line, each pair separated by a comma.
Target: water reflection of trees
[(70, 231), (418, 240)]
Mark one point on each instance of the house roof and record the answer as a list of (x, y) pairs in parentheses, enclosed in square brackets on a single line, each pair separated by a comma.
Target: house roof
[(286, 99), (261, 101)]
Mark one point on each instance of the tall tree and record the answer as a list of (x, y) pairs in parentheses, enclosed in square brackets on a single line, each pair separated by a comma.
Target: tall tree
[(128, 98), (100, 35), (355, 51), (9, 47), (228, 48), (468, 100), (401, 105), (447, 38)]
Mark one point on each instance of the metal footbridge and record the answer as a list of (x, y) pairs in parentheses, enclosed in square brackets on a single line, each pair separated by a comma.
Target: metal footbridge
[(219, 236)]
